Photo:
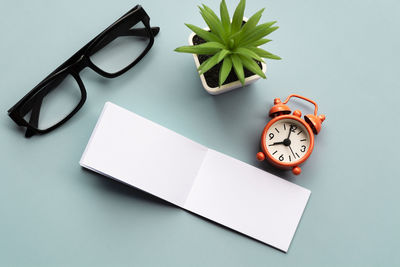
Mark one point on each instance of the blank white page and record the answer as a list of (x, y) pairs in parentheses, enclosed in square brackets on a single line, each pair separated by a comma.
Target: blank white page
[(247, 199), (143, 154)]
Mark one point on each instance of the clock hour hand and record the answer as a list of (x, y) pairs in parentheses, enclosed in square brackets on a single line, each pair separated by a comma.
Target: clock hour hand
[(277, 143)]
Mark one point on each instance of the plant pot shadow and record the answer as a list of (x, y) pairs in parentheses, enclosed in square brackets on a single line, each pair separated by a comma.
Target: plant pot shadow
[(233, 103)]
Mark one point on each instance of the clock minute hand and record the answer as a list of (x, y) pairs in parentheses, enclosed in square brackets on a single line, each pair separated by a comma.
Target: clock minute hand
[(290, 131)]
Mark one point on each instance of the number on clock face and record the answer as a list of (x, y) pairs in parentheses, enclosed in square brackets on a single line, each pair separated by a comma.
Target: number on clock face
[(287, 140)]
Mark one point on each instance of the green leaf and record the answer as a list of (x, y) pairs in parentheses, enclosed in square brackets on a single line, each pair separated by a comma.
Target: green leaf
[(225, 70), (223, 54), (266, 25), (251, 23), (209, 48), (257, 33), (262, 53), (252, 66), (260, 42), (257, 29), (237, 18), (211, 13), (208, 64), (235, 35), (222, 33), (213, 23), (238, 67), (211, 62), (225, 20), (206, 35), (248, 53)]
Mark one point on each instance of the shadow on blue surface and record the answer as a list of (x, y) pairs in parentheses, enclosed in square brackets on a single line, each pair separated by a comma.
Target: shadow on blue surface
[(119, 188), (135, 194)]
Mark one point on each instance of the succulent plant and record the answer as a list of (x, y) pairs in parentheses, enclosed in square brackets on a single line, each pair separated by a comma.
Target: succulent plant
[(234, 42)]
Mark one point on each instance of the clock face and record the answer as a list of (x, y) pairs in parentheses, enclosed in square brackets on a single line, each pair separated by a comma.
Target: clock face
[(287, 140)]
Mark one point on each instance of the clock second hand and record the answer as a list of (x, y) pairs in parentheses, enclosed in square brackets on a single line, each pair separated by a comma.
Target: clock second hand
[(292, 152), (290, 131)]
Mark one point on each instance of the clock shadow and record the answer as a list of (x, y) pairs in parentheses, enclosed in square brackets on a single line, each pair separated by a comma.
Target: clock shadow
[(268, 167), (265, 165)]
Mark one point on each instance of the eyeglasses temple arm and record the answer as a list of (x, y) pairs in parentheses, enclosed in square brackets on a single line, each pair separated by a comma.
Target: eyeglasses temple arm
[(34, 119), (35, 103)]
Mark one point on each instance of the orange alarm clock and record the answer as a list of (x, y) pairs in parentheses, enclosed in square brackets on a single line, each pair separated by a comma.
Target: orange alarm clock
[(288, 140)]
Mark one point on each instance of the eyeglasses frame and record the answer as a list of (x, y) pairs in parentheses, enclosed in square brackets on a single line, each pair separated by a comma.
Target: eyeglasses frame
[(76, 63)]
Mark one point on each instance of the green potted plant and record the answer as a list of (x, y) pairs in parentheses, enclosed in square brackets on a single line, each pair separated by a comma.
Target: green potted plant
[(227, 53)]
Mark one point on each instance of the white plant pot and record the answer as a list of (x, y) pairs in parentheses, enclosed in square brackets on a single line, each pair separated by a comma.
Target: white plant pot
[(226, 87)]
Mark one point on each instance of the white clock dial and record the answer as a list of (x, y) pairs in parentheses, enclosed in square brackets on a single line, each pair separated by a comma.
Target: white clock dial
[(285, 147)]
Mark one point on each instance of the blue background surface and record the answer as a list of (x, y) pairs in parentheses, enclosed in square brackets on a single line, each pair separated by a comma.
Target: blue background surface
[(343, 54)]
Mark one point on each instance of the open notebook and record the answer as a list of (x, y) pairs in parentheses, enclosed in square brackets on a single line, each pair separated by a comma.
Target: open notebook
[(131, 149)]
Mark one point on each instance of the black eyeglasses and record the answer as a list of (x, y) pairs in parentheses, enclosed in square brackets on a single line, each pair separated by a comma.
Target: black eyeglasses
[(61, 94)]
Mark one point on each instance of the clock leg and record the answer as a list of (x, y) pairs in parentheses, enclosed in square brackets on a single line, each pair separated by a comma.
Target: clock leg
[(296, 170), (260, 156)]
